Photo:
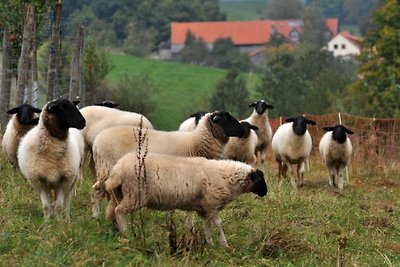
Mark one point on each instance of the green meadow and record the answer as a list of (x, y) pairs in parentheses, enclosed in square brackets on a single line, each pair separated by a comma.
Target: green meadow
[(243, 9)]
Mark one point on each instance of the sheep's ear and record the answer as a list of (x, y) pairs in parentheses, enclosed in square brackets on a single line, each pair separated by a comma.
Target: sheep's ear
[(13, 110), (52, 107), (37, 110), (256, 175), (348, 131), (270, 106), (255, 128), (252, 105), (329, 129), (76, 102), (216, 118), (289, 120), (34, 121), (311, 122)]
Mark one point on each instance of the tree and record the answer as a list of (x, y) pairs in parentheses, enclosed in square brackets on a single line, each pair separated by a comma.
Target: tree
[(284, 9), (231, 95), (377, 92), (314, 29), (195, 50), (225, 55)]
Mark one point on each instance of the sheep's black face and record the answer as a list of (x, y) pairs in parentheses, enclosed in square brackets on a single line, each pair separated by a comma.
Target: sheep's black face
[(247, 127), (259, 185), (261, 106), (228, 123), (339, 133), (67, 113), (109, 104), (300, 124), (25, 114)]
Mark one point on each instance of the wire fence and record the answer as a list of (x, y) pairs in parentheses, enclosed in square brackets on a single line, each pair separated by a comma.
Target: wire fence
[(374, 140)]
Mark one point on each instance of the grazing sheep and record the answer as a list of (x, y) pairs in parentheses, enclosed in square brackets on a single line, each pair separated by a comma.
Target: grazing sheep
[(188, 183), (242, 149), (24, 119), (292, 144), (335, 149), (107, 103), (207, 140), (259, 118), (50, 155), (191, 123)]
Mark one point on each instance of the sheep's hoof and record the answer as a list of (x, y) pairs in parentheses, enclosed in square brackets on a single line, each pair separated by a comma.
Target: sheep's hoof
[(224, 244)]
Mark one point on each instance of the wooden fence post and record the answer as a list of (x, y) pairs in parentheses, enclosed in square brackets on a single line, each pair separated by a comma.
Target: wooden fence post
[(347, 169), (6, 75), (76, 63), (52, 66)]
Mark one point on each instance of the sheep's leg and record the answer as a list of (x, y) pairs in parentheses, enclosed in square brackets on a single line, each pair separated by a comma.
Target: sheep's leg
[(341, 178), (46, 203), (96, 200), (60, 198), (189, 220), (332, 177), (123, 208), (207, 231), (67, 207), (218, 223), (300, 173)]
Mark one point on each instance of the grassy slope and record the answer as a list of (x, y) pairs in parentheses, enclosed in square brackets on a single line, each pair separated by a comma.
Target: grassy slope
[(282, 229), (244, 9)]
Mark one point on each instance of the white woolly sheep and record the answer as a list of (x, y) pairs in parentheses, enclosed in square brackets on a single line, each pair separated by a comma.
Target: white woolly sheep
[(24, 118), (335, 149), (259, 118), (191, 123), (242, 149), (207, 140), (292, 144), (188, 183), (49, 155)]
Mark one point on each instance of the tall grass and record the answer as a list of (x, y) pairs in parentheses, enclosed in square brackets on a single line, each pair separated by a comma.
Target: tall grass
[(282, 229)]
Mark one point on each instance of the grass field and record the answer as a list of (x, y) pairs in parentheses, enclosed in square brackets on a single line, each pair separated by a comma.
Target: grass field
[(184, 88), (243, 9), (282, 229)]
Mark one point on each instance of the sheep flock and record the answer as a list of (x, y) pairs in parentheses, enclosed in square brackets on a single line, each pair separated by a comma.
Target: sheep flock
[(201, 167)]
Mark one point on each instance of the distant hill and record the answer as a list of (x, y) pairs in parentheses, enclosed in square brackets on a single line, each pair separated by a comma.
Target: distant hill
[(243, 9), (184, 88)]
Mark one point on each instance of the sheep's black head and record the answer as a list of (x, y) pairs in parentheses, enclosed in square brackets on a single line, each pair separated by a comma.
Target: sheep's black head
[(25, 114), (230, 125), (67, 114), (261, 106), (107, 103), (197, 116), (300, 124), (247, 127), (339, 133), (259, 185)]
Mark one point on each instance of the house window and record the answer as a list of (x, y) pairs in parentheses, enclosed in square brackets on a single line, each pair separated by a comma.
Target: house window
[(335, 46), (294, 36), (343, 46)]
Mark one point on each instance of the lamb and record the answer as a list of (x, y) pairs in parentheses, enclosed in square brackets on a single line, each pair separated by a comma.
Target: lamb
[(242, 149), (335, 149), (50, 155), (188, 183), (207, 140), (259, 118), (191, 123), (292, 144), (24, 118)]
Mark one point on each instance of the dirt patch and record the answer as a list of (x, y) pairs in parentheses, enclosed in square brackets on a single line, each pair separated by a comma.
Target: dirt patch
[(377, 222)]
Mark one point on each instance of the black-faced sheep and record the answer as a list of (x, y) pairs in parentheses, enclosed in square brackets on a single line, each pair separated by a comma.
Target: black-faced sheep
[(191, 123), (187, 183), (335, 149), (242, 149), (107, 103), (24, 119), (207, 140), (292, 144), (259, 118), (50, 156)]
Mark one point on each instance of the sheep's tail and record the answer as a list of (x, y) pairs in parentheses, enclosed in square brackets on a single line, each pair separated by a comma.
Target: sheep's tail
[(113, 187)]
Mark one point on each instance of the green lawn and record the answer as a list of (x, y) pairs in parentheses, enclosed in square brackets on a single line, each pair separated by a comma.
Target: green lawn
[(244, 9), (282, 229)]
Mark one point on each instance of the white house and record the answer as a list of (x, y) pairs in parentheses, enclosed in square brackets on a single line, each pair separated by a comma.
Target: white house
[(344, 44)]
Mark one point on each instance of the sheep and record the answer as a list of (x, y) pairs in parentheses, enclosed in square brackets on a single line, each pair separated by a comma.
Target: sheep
[(242, 149), (335, 149), (259, 118), (23, 119), (188, 183), (50, 155), (207, 140), (191, 123), (292, 144), (107, 103)]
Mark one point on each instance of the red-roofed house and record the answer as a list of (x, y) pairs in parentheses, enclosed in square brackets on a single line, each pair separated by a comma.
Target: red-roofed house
[(247, 35), (345, 44)]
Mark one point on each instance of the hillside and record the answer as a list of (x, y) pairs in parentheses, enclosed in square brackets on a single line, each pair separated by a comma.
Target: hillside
[(184, 88), (243, 9)]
